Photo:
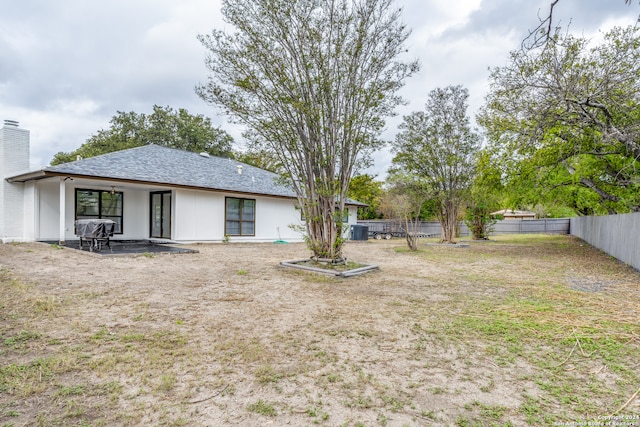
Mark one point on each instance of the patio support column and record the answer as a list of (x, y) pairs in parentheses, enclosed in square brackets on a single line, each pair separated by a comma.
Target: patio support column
[(63, 212)]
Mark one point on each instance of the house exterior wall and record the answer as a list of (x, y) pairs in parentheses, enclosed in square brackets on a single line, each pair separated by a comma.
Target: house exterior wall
[(353, 214), (136, 215), (46, 199), (11, 211), (48, 215), (14, 158), (519, 217), (199, 216), (274, 218), (29, 199)]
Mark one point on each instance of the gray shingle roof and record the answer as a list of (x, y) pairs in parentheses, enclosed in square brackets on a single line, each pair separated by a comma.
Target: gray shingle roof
[(153, 164), (162, 165)]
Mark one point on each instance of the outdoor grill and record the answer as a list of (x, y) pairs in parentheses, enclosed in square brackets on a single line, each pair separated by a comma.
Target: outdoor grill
[(96, 232)]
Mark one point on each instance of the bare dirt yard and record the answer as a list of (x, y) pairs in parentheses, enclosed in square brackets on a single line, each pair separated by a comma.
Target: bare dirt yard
[(522, 330)]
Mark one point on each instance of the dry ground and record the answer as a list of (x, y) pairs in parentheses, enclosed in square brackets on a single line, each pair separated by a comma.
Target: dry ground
[(523, 330)]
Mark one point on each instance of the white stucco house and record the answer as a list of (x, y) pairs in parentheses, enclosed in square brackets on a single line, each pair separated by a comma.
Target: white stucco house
[(151, 192)]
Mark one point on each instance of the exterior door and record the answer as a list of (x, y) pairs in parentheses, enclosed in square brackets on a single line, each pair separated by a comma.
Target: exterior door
[(161, 215)]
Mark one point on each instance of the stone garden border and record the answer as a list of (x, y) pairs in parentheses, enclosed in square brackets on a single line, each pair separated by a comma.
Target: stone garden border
[(333, 272)]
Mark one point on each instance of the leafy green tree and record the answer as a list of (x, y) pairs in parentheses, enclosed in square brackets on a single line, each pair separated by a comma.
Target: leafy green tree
[(565, 117), (165, 126), (313, 81), (404, 200), (487, 186), (485, 196), (544, 31), (365, 189), (479, 220), (261, 158), (439, 146)]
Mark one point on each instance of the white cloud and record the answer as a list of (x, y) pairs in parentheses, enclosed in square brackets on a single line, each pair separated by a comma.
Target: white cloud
[(68, 66)]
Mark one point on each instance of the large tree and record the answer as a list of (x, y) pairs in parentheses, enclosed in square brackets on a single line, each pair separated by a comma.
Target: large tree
[(543, 33), (486, 195), (165, 126), (312, 80), (262, 159), (439, 145), (365, 189), (405, 198), (566, 118)]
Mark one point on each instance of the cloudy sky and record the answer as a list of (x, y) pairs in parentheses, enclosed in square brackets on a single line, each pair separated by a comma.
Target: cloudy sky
[(68, 66)]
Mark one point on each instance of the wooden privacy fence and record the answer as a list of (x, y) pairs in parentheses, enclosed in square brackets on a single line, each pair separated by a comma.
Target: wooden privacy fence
[(511, 226)]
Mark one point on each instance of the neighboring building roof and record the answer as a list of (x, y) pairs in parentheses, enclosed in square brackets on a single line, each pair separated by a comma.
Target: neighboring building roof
[(514, 213), (154, 164)]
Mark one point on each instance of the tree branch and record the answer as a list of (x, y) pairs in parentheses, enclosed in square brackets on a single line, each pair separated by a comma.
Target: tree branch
[(538, 38), (592, 185)]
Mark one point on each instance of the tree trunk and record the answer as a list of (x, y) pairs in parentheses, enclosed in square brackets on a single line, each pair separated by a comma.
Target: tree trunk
[(448, 220), (411, 228), (324, 226)]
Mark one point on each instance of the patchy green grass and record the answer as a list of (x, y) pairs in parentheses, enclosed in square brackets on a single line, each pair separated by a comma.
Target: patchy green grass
[(263, 408), (524, 330)]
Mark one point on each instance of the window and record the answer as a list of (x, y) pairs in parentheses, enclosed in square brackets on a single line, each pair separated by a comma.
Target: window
[(240, 217), (161, 214), (345, 215), (100, 204)]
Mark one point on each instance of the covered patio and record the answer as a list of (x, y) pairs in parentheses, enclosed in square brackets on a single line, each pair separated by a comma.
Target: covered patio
[(126, 247)]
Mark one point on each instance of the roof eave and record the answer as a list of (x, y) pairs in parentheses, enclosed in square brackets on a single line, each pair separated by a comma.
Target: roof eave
[(29, 176), (42, 174)]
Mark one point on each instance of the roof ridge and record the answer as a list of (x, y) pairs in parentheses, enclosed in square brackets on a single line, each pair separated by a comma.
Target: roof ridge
[(174, 149), (100, 155), (189, 152)]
